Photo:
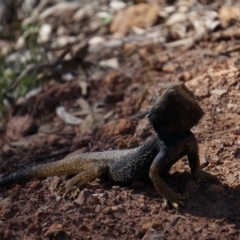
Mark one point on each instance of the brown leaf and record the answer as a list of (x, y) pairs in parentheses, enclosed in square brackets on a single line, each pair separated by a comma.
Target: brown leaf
[(18, 127), (140, 15)]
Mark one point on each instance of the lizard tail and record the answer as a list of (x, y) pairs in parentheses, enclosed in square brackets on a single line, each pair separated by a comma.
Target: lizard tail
[(15, 176), (72, 165), (67, 166)]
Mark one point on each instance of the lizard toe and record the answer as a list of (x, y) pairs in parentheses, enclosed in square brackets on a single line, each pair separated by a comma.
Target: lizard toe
[(175, 200), (70, 193), (209, 176), (176, 204)]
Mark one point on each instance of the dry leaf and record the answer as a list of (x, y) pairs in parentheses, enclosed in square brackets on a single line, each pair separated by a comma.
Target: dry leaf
[(67, 117)]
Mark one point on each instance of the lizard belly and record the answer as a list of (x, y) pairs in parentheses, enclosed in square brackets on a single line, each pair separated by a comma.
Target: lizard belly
[(130, 168)]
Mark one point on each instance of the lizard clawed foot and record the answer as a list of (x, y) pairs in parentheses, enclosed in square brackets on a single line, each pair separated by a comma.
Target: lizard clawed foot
[(174, 199), (69, 192), (209, 176)]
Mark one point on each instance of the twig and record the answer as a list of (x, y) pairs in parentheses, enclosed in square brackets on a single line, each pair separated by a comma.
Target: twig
[(138, 115), (27, 70), (230, 50), (195, 81), (221, 132), (41, 158), (80, 53), (153, 35), (233, 32)]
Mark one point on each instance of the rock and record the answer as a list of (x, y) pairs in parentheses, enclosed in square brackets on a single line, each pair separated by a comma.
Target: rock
[(185, 76), (232, 231), (152, 234), (44, 33), (31, 227), (118, 208), (202, 92), (112, 209), (191, 188), (117, 5), (232, 106), (170, 68), (98, 208), (143, 124), (8, 151), (91, 123), (124, 126), (107, 210), (35, 184), (197, 230), (151, 224), (139, 234), (231, 178), (7, 234), (144, 207), (215, 189), (93, 200), (117, 80), (96, 40), (202, 81), (147, 226), (5, 207), (54, 230), (83, 197), (111, 63), (219, 92), (67, 77)]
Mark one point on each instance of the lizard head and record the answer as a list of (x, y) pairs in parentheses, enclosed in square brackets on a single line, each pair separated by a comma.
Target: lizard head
[(174, 109)]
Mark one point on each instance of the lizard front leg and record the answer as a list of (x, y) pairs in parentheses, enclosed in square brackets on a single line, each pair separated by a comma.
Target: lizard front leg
[(194, 163), (159, 164), (71, 188)]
